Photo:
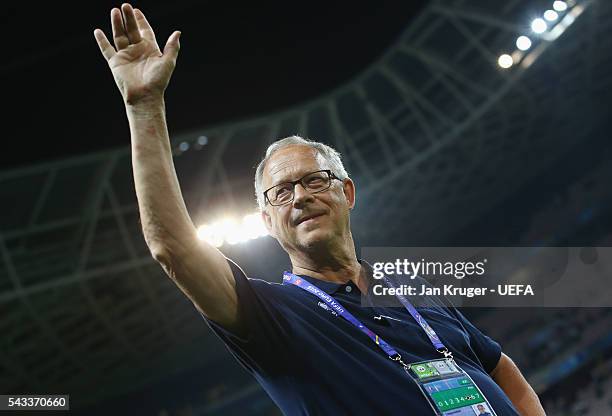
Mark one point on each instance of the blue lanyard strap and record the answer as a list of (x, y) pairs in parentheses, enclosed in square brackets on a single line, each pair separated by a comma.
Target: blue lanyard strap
[(431, 334), (290, 278)]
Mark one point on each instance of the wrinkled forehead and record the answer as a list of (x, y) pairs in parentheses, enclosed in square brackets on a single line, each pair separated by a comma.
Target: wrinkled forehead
[(291, 163)]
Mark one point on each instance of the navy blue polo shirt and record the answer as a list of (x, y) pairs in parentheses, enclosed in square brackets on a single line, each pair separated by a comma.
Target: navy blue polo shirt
[(313, 362)]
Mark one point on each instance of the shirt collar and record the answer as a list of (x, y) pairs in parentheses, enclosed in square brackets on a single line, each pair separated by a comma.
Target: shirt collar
[(330, 287)]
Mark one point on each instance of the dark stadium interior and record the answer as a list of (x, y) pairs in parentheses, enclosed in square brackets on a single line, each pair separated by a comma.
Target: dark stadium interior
[(446, 149), (236, 61)]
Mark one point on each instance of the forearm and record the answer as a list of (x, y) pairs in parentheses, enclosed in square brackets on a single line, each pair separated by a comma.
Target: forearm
[(165, 221), (525, 400), (200, 270), (508, 376)]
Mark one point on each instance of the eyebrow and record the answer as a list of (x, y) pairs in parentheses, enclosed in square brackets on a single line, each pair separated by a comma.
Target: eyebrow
[(301, 175)]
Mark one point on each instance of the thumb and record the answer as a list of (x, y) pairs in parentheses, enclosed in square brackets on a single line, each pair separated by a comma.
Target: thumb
[(172, 47)]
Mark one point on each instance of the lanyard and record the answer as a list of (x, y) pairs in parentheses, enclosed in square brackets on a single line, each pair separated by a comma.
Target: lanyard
[(431, 334), (290, 278)]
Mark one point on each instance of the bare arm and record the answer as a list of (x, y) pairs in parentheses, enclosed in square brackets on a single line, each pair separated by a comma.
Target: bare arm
[(142, 73), (508, 376)]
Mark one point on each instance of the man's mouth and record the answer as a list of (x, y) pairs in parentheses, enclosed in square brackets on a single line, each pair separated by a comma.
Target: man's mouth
[(307, 217)]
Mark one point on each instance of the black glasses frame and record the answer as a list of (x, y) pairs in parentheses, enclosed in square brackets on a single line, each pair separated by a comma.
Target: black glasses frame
[(293, 183)]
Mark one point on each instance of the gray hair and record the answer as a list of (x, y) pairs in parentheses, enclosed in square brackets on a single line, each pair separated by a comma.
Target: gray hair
[(328, 153)]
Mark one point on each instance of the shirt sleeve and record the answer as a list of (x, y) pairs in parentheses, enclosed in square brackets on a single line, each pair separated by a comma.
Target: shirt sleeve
[(260, 326), (487, 350)]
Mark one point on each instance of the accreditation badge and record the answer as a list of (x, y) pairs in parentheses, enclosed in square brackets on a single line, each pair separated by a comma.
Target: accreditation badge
[(448, 389)]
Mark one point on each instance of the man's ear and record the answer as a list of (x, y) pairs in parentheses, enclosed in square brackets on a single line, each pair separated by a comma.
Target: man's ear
[(349, 192), (267, 222)]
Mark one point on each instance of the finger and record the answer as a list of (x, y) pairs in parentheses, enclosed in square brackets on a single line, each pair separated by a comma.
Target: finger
[(143, 24), (105, 47), (172, 47), (119, 36), (131, 27)]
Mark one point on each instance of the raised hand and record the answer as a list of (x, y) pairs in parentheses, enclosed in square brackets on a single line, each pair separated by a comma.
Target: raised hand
[(140, 69)]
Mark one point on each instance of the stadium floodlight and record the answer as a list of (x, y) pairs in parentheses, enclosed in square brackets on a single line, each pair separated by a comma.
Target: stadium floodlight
[(523, 43), (551, 15), (253, 226), (566, 21), (211, 235), (184, 146), (560, 6), (232, 232), (538, 25), (505, 61)]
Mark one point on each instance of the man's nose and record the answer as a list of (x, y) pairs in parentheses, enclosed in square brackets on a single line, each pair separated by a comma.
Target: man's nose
[(301, 196)]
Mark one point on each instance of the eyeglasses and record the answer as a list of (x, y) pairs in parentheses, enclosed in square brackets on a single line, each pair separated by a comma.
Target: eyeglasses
[(314, 182)]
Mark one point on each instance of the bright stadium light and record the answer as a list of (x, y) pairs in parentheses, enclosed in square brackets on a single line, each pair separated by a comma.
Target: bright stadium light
[(551, 15), (254, 226), (211, 235), (538, 25), (560, 6), (523, 43), (505, 61), (232, 232)]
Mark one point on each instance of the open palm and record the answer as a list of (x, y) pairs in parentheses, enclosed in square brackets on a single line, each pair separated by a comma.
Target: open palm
[(140, 69)]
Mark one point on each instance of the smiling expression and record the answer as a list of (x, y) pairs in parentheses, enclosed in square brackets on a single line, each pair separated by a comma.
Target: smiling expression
[(310, 220)]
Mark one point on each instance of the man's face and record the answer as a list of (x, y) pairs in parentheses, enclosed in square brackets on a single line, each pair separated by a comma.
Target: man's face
[(481, 408), (310, 220)]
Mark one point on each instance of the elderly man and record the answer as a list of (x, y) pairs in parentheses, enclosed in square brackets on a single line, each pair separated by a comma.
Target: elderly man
[(309, 342)]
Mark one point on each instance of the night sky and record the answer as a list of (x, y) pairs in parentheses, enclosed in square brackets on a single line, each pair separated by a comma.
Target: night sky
[(237, 60)]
